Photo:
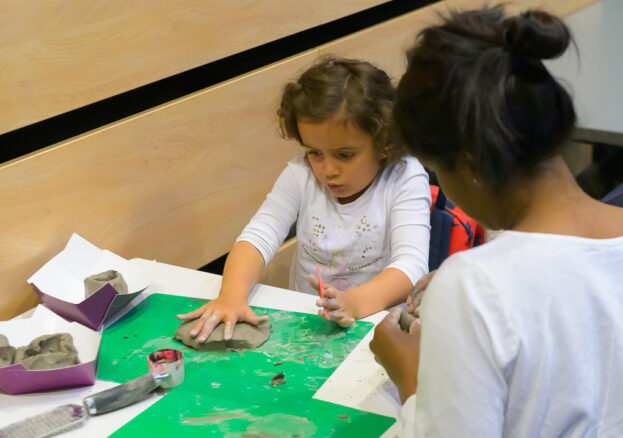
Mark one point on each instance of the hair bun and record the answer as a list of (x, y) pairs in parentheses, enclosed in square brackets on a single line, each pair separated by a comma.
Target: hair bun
[(536, 34)]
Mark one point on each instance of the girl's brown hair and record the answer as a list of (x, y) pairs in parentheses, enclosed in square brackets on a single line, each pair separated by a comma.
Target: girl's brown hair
[(356, 91)]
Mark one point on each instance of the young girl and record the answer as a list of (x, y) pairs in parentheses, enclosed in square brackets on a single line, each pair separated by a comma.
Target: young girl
[(361, 206), (522, 336)]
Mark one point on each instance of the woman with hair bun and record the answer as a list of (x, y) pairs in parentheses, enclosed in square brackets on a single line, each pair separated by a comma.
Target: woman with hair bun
[(522, 336)]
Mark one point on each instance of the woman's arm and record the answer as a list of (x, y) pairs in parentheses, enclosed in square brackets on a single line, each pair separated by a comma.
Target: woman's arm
[(398, 352)]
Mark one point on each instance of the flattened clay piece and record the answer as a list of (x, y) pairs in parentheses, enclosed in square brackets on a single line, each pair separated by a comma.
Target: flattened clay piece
[(48, 352), (7, 355), (245, 337), (95, 282), (406, 319), (4, 342)]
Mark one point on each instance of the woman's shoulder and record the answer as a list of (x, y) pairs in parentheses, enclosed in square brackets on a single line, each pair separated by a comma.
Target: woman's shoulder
[(517, 255)]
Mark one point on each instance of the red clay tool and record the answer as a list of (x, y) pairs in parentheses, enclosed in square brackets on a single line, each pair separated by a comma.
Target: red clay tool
[(321, 287)]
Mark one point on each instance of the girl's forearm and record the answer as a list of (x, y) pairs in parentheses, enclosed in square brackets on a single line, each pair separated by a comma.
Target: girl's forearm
[(387, 289), (243, 267)]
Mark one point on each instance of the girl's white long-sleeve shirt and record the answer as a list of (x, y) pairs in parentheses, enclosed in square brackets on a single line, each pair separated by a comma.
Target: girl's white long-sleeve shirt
[(387, 226)]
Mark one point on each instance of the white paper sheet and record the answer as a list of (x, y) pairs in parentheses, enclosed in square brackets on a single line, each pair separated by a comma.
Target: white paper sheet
[(63, 276)]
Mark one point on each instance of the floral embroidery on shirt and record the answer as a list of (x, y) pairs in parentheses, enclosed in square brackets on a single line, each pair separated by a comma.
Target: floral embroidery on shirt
[(363, 225), (338, 260), (313, 256), (364, 265)]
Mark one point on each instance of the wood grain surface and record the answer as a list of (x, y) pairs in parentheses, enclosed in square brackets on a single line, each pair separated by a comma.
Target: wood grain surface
[(58, 55)]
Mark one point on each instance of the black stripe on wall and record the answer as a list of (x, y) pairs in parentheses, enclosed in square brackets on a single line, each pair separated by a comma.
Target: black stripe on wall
[(64, 126)]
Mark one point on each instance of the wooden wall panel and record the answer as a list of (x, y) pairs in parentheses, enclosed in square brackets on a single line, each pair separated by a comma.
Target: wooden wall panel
[(176, 183), (58, 55), (386, 43)]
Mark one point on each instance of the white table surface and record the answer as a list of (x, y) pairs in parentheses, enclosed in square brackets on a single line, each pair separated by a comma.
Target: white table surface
[(358, 383), (596, 79)]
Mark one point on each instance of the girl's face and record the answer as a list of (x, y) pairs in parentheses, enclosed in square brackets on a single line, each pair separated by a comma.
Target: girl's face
[(341, 156)]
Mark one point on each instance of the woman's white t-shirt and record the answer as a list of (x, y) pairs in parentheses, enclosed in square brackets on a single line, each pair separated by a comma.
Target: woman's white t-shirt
[(387, 226), (523, 337)]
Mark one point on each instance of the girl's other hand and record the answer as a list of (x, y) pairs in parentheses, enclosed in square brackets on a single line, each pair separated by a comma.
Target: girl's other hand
[(217, 311), (415, 297), (398, 352), (337, 302)]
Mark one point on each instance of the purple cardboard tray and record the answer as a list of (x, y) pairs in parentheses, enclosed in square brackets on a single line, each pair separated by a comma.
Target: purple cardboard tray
[(60, 283), (94, 311), (16, 379)]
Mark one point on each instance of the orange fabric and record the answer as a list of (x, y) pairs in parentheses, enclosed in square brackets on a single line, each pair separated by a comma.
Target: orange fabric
[(460, 238)]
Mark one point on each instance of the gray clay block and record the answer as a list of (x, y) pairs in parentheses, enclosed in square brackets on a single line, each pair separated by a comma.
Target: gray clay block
[(95, 282), (406, 319), (7, 356)]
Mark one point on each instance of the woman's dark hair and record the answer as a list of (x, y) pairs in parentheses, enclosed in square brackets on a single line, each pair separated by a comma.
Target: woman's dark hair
[(353, 90), (476, 89)]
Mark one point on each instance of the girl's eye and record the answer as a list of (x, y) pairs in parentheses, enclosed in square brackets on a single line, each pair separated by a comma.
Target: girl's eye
[(313, 153), (346, 155)]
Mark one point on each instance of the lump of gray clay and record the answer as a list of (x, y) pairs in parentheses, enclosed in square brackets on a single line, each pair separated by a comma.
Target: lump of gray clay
[(7, 355), (48, 352), (95, 282), (245, 337), (406, 319)]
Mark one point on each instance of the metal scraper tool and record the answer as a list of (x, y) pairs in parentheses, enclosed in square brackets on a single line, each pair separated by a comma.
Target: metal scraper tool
[(49, 423), (65, 417)]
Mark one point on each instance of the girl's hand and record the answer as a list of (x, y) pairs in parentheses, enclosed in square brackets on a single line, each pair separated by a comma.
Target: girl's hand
[(398, 352), (415, 297), (217, 311), (338, 303)]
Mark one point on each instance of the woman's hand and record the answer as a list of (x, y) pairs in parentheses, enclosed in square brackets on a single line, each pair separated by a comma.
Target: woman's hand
[(415, 297), (398, 352), (220, 310), (338, 303)]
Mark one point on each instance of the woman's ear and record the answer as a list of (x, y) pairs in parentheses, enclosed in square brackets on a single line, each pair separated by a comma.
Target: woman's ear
[(472, 172)]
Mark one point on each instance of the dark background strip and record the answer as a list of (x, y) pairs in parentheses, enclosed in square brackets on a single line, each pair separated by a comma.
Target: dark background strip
[(64, 126)]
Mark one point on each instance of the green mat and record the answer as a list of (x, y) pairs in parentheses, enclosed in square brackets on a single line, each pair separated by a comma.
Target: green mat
[(229, 394)]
